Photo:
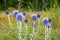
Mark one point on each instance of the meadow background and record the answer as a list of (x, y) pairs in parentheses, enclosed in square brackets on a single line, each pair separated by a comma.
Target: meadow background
[(47, 8)]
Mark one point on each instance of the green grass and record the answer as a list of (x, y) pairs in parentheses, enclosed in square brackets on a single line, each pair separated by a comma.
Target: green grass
[(8, 33)]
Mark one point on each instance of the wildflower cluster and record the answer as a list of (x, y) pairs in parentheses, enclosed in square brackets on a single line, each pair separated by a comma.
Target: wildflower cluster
[(46, 21)]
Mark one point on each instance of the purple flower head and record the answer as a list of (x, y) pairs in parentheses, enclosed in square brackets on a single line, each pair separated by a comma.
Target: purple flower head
[(34, 17), (45, 21), (49, 25), (26, 20), (38, 15), (49, 20), (24, 13), (7, 12), (15, 12), (19, 17)]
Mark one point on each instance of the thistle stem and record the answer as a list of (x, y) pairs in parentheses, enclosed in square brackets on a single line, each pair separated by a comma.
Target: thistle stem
[(49, 33), (45, 33), (19, 25), (38, 27), (33, 30), (26, 30)]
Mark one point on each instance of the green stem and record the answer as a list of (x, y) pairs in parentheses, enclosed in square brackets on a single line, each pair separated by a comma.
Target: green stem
[(38, 27), (26, 29), (45, 33), (33, 31), (19, 25)]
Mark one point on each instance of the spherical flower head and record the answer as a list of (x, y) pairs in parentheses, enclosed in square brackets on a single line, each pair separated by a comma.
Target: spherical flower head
[(49, 25), (34, 17), (38, 15), (26, 20), (15, 12), (19, 17), (7, 12), (24, 13), (49, 20), (45, 21)]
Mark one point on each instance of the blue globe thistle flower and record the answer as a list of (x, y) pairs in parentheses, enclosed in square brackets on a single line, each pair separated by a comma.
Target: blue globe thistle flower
[(15, 12), (34, 17), (7, 12), (24, 13), (38, 15), (19, 17), (26, 20), (49, 20), (45, 21), (49, 25)]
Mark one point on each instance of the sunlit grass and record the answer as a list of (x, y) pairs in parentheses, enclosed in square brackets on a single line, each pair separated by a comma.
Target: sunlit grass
[(8, 33)]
